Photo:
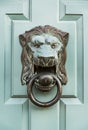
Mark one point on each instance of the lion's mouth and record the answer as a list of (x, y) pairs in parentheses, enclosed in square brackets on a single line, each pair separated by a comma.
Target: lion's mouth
[(40, 69), (44, 82), (45, 67)]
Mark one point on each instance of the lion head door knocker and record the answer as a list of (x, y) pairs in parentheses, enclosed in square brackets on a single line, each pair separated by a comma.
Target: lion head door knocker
[(43, 61)]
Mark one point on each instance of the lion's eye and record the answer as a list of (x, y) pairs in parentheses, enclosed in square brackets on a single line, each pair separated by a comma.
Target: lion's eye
[(37, 45), (53, 45)]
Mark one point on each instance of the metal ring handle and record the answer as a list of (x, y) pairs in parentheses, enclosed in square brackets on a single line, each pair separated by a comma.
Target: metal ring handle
[(44, 104)]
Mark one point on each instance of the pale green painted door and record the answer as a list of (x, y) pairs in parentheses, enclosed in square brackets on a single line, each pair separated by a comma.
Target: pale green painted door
[(16, 111)]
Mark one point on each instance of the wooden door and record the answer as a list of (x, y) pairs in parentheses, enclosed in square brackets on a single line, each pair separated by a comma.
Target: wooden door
[(16, 111)]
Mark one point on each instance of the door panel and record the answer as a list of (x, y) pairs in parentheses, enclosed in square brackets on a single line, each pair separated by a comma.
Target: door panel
[(16, 111)]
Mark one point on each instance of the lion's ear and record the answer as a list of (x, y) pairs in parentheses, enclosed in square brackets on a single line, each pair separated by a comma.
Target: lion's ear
[(22, 40), (65, 38)]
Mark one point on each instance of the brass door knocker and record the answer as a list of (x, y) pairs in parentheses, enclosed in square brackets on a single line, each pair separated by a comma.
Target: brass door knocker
[(43, 61)]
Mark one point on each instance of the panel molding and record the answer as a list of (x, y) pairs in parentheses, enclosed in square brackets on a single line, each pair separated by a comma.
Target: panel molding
[(79, 57), (76, 107), (9, 90)]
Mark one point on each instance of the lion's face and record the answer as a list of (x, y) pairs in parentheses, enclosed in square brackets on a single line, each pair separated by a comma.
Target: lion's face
[(44, 50)]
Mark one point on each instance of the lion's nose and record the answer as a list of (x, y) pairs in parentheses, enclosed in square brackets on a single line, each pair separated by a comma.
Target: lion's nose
[(46, 60)]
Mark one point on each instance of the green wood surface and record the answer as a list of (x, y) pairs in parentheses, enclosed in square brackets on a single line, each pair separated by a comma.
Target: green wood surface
[(16, 111)]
